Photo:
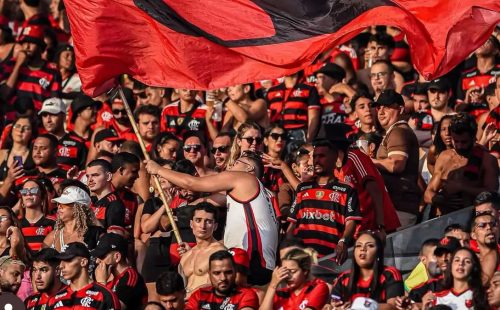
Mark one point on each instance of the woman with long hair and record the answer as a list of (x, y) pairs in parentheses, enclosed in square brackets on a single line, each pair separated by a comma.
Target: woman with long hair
[(248, 138), (71, 83), (301, 290), (275, 141), (442, 141), (11, 238), (463, 287), (35, 225), (75, 220), (368, 277), (165, 145)]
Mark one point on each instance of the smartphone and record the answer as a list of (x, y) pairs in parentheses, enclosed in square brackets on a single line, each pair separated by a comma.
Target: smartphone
[(19, 160)]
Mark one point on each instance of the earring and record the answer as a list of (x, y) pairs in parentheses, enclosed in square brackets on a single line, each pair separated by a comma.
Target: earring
[(151, 189)]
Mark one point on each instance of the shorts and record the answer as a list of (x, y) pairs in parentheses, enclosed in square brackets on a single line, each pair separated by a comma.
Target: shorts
[(157, 258)]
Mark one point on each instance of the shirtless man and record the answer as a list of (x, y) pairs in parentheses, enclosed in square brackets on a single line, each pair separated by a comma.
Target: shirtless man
[(241, 108), (251, 218), (194, 262), (463, 172), (484, 242)]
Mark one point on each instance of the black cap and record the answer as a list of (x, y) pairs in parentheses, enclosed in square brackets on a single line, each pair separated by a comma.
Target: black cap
[(108, 135), (337, 134), (110, 242), (81, 102), (441, 84), (332, 70), (73, 250), (389, 97), (447, 245)]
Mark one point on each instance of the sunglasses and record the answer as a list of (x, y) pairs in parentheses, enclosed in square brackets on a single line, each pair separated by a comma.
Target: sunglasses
[(29, 191), (192, 148), (277, 136), (220, 149), (119, 111), (251, 140), (483, 225)]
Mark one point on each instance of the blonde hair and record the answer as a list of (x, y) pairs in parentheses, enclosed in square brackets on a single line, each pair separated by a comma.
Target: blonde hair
[(235, 148), (303, 257), (84, 217)]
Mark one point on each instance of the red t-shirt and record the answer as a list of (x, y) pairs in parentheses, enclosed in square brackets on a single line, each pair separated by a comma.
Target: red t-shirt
[(358, 170), (205, 298), (313, 295)]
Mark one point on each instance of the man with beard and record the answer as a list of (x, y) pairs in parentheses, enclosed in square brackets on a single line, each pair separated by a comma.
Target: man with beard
[(484, 231), (221, 149), (223, 291), (45, 274), (494, 291), (194, 263), (107, 140), (29, 75), (73, 147), (243, 107), (53, 115), (148, 122), (463, 172), (120, 122), (44, 150), (11, 274), (438, 92), (82, 291), (108, 208)]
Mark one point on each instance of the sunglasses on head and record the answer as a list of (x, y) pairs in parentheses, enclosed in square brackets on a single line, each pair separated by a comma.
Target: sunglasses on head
[(191, 148), (119, 111), (221, 149), (29, 191), (250, 140), (276, 136)]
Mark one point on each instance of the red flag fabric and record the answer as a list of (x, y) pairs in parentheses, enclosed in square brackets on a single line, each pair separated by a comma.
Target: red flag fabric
[(206, 44)]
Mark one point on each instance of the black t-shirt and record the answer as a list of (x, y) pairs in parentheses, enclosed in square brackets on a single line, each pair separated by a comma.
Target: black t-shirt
[(109, 210)]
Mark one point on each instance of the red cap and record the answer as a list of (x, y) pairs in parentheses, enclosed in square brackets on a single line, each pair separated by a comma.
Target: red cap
[(240, 257), (32, 34)]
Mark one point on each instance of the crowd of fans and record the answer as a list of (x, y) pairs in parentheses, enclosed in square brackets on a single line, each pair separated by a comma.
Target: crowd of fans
[(263, 179)]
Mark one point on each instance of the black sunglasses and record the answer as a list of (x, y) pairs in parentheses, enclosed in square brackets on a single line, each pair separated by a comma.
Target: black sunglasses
[(276, 136), (119, 111), (191, 148), (250, 140), (221, 149)]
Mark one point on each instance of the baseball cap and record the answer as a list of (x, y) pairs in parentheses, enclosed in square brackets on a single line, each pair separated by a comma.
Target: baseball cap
[(107, 135), (81, 102), (53, 106), (364, 303), (240, 257), (73, 194), (33, 34), (110, 242), (389, 97), (447, 245), (73, 250), (440, 84), (332, 70)]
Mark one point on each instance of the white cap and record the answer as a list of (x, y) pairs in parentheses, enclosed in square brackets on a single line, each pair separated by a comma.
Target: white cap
[(53, 106), (363, 303), (73, 194)]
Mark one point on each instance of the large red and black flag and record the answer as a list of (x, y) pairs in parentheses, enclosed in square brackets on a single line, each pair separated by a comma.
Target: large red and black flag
[(205, 44)]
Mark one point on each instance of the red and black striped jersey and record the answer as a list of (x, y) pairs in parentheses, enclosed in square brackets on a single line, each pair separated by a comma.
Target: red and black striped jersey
[(130, 288), (290, 106), (313, 295), (38, 84), (91, 297), (131, 202), (390, 284), (205, 298), (272, 179), (321, 213), (109, 210), (72, 151), (332, 112), (176, 122), (37, 301), (474, 78), (35, 233)]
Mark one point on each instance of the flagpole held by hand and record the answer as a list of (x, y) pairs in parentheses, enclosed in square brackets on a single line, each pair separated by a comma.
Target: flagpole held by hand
[(156, 182)]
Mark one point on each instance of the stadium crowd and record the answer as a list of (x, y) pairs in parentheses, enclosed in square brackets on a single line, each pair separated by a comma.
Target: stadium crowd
[(263, 179)]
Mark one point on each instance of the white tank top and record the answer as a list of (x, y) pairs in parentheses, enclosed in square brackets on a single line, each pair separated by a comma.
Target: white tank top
[(253, 226)]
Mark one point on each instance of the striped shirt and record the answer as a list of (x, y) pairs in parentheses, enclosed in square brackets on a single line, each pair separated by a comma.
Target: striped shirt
[(35, 233), (91, 297)]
